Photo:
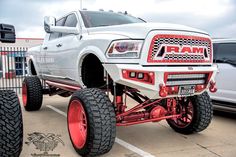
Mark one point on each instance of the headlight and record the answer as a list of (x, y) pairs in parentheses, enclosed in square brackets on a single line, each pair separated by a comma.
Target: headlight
[(125, 49)]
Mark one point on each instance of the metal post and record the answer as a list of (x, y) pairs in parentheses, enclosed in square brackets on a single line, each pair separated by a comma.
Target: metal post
[(23, 61)]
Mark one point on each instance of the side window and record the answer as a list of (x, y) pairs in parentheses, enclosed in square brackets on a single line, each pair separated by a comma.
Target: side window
[(226, 51), (0, 65), (215, 51), (71, 21), (55, 34)]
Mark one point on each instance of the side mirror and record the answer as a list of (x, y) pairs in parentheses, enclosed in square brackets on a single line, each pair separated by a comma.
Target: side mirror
[(7, 33), (49, 21), (50, 26)]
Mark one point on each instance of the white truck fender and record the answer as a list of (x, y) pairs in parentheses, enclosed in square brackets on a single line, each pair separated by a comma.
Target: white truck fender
[(86, 51), (28, 58)]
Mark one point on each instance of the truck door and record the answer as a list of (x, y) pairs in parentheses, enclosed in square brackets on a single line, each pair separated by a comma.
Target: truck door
[(66, 51), (50, 50), (225, 57)]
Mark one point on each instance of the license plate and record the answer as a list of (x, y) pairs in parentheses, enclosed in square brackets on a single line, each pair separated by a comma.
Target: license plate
[(186, 90)]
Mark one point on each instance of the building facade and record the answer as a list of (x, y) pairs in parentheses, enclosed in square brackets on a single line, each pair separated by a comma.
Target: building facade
[(12, 57)]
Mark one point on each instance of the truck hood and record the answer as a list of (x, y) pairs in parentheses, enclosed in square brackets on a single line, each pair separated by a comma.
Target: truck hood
[(140, 30)]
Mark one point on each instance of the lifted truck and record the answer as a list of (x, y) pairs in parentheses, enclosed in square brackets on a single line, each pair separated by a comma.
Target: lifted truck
[(11, 123), (92, 55)]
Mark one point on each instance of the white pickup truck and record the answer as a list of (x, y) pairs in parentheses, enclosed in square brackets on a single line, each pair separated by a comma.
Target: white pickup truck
[(165, 68)]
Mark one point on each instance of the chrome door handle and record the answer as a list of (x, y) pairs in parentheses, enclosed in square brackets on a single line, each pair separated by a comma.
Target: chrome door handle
[(45, 48), (59, 45)]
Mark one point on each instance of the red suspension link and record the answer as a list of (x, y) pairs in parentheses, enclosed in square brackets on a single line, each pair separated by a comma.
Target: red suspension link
[(154, 114)]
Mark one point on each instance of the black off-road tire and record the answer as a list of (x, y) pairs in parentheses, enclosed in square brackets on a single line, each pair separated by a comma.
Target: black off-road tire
[(33, 95), (11, 125), (202, 115), (101, 125)]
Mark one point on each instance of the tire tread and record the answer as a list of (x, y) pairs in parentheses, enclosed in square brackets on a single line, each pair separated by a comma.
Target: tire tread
[(102, 121), (34, 93), (11, 125)]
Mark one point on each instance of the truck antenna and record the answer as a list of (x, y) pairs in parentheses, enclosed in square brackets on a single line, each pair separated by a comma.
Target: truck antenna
[(81, 4)]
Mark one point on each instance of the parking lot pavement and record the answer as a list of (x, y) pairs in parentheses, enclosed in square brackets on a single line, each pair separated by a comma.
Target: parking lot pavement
[(151, 139)]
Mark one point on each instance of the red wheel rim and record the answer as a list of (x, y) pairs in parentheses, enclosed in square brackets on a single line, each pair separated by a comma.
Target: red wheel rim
[(187, 112), (77, 123), (24, 94)]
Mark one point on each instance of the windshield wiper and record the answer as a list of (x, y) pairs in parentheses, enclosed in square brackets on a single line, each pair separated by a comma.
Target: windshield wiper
[(226, 60), (103, 25), (142, 19)]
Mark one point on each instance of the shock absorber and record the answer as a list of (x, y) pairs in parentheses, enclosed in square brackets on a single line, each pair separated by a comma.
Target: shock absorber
[(171, 106), (174, 106), (117, 92)]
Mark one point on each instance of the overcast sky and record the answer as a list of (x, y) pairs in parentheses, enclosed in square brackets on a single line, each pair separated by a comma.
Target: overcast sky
[(217, 17)]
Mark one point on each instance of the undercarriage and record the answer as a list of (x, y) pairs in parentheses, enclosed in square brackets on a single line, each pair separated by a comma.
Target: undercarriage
[(101, 109)]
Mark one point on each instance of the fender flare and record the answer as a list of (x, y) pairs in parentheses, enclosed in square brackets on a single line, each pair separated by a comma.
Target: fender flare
[(30, 58), (86, 51)]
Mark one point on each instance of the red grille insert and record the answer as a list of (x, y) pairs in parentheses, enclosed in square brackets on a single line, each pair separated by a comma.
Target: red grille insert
[(191, 49)]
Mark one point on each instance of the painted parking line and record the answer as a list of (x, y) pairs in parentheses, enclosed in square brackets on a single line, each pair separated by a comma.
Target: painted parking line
[(117, 140), (57, 110), (133, 148)]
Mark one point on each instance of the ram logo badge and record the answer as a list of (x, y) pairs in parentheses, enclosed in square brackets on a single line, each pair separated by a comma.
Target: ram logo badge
[(184, 49)]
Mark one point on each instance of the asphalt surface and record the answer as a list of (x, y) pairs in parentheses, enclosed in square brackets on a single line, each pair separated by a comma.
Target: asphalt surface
[(149, 140)]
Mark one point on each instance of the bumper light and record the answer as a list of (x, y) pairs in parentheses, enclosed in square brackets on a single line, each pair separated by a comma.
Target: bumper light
[(183, 76), (184, 82), (132, 74), (139, 76)]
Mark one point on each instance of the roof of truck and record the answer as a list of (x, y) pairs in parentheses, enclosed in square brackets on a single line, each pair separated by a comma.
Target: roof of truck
[(224, 40)]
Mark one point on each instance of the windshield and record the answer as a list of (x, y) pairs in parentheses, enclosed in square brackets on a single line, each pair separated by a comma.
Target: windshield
[(101, 18)]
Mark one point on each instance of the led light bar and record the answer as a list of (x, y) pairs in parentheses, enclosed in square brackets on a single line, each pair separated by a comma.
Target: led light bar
[(187, 82), (184, 76)]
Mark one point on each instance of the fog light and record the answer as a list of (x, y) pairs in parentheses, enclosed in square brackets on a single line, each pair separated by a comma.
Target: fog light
[(132, 74), (174, 89), (140, 75)]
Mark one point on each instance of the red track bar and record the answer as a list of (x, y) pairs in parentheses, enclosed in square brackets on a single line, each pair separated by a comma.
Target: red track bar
[(138, 107), (63, 86), (147, 120)]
